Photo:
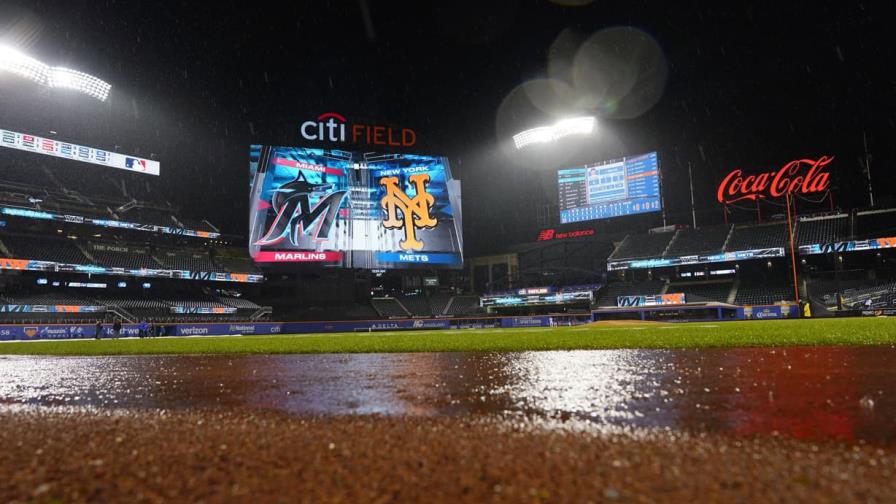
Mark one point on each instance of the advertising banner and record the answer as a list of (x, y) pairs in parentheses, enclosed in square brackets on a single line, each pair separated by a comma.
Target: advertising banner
[(526, 322), (203, 309), (55, 148), (652, 300), (29, 265), (848, 246), (28, 308), (663, 262), (353, 209), (28, 213)]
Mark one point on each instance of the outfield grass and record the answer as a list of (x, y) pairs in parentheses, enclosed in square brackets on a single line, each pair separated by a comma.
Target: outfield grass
[(853, 331)]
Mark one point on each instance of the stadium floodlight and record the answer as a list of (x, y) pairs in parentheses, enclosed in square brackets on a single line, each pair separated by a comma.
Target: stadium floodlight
[(544, 134), (55, 77)]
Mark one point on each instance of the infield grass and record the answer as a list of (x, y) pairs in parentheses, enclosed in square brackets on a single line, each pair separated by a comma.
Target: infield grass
[(844, 331)]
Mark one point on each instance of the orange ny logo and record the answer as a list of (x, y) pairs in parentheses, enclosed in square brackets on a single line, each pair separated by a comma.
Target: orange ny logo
[(414, 211)]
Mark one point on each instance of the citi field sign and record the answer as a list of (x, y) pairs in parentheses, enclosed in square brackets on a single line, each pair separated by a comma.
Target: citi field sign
[(333, 127), (798, 177)]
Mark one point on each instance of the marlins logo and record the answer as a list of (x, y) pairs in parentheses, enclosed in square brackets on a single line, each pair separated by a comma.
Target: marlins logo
[(414, 211)]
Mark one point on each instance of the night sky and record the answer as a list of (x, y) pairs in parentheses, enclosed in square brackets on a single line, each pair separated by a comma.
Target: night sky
[(718, 86)]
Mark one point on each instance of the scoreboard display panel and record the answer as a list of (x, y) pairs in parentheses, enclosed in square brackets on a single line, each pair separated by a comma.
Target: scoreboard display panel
[(354, 210), (613, 188)]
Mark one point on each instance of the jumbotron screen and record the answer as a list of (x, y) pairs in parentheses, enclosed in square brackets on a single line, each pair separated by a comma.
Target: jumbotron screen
[(353, 209), (615, 188)]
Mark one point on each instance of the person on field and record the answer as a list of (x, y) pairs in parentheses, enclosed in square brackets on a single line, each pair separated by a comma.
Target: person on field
[(99, 329), (116, 328)]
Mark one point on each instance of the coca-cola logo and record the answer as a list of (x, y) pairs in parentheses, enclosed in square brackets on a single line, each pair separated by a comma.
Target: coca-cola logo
[(800, 176)]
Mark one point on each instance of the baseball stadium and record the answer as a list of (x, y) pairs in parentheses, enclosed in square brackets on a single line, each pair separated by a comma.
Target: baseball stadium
[(555, 251)]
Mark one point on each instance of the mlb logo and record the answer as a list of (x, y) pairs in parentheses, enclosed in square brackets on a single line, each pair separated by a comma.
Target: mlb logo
[(135, 164), (30, 331)]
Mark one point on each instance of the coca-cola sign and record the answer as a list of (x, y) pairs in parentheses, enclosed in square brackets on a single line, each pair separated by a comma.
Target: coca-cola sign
[(800, 176)]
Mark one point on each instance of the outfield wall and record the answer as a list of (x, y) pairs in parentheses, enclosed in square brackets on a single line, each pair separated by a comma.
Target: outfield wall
[(697, 312), (77, 331)]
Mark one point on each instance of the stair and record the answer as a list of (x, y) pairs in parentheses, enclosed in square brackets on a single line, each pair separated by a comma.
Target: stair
[(665, 250), (447, 309), (733, 294)]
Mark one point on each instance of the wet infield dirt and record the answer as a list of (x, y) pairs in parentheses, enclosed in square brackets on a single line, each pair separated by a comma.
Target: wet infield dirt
[(811, 424)]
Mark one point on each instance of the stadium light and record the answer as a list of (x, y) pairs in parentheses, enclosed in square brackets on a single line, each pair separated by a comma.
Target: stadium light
[(55, 77), (545, 134)]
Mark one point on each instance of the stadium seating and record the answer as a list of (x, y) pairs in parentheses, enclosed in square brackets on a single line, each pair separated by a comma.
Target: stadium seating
[(875, 224), (642, 245), (695, 241), (191, 260), (703, 292), (417, 305), (132, 259), (437, 303), (238, 303), (50, 298), (463, 305), (236, 265), (822, 230), (760, 236), (763, 294), (361, 311), (42, 248), (389, 308)]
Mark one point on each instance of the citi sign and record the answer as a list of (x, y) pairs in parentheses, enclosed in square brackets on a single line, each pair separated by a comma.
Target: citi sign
[(332, 127)]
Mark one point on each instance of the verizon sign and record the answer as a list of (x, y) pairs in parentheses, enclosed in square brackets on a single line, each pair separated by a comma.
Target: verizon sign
[(800, 176)]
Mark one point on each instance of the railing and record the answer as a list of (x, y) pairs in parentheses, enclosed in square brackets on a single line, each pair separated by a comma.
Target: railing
[(121, 313), (261, 312)]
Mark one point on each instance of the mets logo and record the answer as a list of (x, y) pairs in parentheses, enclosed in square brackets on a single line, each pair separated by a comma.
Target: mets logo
[(414, 212), (30, 331)]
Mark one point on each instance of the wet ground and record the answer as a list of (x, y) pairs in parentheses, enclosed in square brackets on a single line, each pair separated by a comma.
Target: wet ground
[(812, 393)]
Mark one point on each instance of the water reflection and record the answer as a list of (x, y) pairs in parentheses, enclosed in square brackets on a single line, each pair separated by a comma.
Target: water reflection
[(842, 393)]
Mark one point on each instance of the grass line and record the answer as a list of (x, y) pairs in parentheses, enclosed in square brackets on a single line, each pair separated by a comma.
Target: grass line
[(854, 331)]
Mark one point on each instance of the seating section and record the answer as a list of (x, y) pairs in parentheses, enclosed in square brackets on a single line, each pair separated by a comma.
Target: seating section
[(186, 260), (236, 265), (758, 237), (120, 259), (134, 303), (238, 303), (42, 248), (361, 311), (644, 245), (389, 308), (703, 292), (437, 303), (695, 241), (763, 294), (418, 305), (50, 298), (875, 225), (825, 230), (464, 305), (607, 296), (856, 294)]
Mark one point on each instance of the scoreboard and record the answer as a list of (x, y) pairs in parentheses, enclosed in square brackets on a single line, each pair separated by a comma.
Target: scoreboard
[(613, 188)]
